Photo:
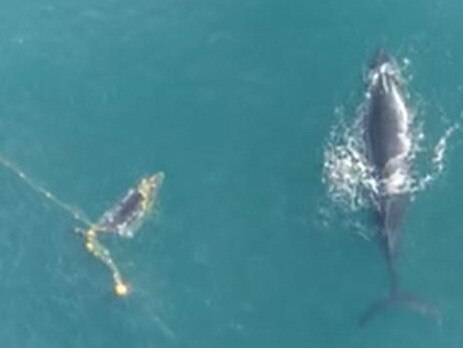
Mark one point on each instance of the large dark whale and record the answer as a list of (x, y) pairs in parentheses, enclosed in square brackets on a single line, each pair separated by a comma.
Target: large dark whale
[(389, 142)]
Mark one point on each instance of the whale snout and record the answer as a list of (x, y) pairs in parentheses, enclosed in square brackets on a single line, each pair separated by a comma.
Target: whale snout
[(383, 70), (381, 58)]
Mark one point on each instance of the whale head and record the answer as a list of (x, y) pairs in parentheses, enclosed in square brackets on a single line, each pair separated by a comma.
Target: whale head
[(383, 71), (380, 58)]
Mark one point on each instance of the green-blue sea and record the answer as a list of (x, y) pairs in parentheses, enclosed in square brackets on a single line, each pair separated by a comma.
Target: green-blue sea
[(235, 102)]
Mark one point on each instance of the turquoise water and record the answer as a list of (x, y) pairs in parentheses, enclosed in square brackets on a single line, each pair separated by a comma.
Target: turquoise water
[(234, 101)]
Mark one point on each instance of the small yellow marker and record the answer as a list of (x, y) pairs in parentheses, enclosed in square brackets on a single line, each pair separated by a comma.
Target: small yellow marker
[(121, 289)]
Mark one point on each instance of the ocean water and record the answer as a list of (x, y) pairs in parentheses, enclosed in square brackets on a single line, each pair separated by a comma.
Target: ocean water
[(235, 102)]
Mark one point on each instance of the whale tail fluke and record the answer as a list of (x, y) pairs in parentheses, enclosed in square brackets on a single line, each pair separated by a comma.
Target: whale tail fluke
[(404, 300)]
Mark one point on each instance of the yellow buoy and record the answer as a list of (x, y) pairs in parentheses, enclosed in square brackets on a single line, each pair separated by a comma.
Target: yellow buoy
[(121, 289), (90, 246)]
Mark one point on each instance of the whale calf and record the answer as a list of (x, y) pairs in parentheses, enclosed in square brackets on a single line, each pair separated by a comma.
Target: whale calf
[(389, 140)]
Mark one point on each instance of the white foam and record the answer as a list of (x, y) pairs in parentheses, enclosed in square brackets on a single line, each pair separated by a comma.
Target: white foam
[(349, 177), (346, 171)]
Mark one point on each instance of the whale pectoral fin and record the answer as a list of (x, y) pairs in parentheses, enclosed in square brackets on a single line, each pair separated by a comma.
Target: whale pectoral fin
[(79, 231)]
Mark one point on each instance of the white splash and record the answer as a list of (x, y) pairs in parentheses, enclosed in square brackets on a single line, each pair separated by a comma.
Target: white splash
[(437, 160), (346, 171), (350, 179)]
